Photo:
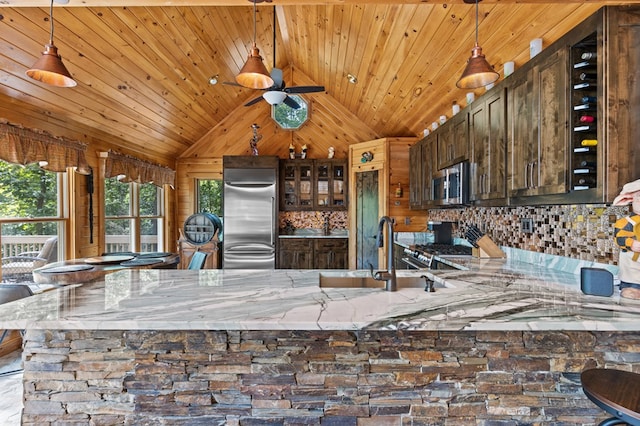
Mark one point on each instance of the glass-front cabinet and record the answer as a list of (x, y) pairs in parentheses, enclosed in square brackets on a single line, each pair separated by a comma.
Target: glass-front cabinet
[(297, 178), (330, 185), (314, 185)]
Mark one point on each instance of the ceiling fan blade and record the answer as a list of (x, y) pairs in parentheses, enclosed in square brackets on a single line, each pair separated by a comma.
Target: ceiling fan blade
[(291, 103), (276, 75), (304, 89), (254, 101)]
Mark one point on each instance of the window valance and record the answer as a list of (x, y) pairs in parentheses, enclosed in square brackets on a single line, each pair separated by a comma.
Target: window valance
[(135, 170), (24, 146)]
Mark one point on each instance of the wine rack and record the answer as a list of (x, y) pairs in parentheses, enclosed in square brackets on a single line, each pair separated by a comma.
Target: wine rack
[(584, 114)]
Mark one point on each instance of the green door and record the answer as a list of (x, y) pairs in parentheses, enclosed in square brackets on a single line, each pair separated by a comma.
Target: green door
[(367, 219)]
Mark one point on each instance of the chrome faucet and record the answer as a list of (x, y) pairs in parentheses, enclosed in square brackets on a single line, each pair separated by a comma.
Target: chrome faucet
[(326, 227), (390, 274)]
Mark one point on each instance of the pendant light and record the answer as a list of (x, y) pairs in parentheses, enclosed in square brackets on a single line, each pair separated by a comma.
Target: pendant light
[(49, 68), (478, 72), (254, 74)]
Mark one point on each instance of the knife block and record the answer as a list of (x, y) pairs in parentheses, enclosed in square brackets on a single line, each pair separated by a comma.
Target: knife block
[(487, 249)]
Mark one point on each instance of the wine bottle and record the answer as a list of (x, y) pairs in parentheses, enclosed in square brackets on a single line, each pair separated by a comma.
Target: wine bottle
[(584, 85), (589, 142), (587, 163), (588, 55), (589, 99), (584, 150), (584, 171), (585, 128), (586, 76), (589, 181), (587, 119), (584, 64)]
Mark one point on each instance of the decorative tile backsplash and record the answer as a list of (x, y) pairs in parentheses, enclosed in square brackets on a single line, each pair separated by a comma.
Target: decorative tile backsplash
[(314, 219), (582, 231)]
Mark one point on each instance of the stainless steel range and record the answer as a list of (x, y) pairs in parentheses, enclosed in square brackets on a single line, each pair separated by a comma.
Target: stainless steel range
[(431, 256)]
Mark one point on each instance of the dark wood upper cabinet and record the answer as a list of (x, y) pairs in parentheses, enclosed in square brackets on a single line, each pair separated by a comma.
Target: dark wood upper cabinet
[(487, 137), (313, 184), (557, 131), (453, 146), (538, 128)]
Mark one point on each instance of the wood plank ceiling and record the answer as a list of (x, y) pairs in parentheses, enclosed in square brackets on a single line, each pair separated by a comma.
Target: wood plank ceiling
[(143, 71)]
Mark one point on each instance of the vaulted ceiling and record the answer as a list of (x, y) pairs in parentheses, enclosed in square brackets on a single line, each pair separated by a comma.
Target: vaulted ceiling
[(143, 66)]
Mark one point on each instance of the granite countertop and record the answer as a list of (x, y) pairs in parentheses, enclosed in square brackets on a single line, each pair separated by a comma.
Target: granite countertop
[(490, 295), (315, 233)]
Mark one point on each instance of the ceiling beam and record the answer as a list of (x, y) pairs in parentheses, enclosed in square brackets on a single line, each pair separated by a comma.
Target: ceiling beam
[(134, 3)]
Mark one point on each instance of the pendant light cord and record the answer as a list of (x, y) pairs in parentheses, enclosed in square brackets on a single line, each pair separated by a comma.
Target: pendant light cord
[(255, 32), (51, 23), (477, 22)]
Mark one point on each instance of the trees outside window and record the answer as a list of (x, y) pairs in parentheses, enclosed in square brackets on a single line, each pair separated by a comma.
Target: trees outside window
[(209, 196), (31, 213), (134, 217)]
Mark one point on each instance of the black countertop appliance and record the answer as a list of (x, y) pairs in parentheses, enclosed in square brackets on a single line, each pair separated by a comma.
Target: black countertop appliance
[(442, 232)]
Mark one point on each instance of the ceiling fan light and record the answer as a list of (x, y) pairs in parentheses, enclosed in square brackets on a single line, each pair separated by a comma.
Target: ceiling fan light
[(274, 97), (49, 69), (478, 72), (254, 74)]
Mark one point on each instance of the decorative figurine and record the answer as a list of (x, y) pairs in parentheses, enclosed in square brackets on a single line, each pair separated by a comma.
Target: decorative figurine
[(627, 236), (332, 152), (304, 151), (292, 152), (253, 143)]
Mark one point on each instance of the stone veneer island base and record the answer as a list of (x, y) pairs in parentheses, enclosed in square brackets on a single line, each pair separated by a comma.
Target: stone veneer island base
[(277, 377), (499, 343)]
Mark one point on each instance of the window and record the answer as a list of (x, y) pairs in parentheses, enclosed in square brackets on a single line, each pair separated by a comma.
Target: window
[(290, 118), (209, 196), (134, 217), (32, 220)]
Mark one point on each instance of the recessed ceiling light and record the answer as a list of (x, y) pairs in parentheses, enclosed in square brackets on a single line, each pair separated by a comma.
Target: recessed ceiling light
[(352, 78), (61, 1), (213, 80)]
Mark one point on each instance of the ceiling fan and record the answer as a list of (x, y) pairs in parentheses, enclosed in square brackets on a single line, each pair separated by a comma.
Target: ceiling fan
[(279, 92)]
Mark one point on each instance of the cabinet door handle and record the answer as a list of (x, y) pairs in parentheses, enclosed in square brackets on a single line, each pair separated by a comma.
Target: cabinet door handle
[(533, 184)]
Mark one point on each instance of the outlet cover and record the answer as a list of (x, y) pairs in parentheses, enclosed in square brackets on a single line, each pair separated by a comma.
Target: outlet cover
[(526, 225)]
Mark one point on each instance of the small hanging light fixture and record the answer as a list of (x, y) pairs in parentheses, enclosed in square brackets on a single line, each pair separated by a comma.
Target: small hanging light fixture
[(49, 68), (254, 74), (478, 72)]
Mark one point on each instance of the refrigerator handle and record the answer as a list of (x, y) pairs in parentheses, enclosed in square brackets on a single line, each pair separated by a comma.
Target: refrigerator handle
[(273, 223)]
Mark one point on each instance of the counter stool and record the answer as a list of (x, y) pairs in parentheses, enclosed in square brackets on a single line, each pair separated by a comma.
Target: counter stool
[(616, 392)]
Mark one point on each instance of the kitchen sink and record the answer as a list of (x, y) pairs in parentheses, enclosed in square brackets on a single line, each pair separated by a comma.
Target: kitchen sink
[(362, 279)]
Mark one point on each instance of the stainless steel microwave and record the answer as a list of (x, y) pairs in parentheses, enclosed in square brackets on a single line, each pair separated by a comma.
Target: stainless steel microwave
[(450, 186)]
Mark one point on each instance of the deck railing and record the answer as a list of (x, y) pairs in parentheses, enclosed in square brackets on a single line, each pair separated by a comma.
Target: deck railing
[(13, 245)]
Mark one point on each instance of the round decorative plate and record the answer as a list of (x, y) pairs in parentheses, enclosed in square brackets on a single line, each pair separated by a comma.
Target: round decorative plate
[(66, 268), (105, 260), (153, 254), (142, 262)]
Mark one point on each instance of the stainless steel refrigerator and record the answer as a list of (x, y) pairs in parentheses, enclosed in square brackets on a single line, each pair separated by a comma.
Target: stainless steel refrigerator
[(250, 218)]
